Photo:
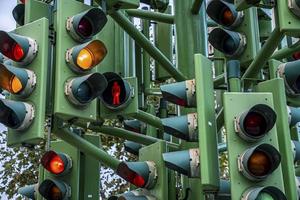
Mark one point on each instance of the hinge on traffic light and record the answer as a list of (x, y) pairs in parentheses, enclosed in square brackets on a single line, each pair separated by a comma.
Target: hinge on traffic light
[(52, 35)]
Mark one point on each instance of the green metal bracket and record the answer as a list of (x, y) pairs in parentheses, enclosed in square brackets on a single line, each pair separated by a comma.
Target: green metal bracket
[(209, 163), (149, 15), (35, 10)]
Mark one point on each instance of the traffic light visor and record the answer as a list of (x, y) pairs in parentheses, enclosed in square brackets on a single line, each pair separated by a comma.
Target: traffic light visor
[(19, 13), (54, 190), (264, 193)]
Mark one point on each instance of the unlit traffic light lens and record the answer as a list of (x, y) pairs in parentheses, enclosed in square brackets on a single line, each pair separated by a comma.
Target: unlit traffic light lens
[(54, 190), (85, 27), (84, 93), (55, 193), (227, 17), (255, 124), (259, 163)]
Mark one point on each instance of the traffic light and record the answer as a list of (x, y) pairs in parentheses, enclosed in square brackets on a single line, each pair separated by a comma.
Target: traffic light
[(244, 4), (19, 13), (183, 127), (291, 75), (140, 174), (29, 191), (294, 116), (252, 144), (132, 147), (133, 125), (180, 93), (78, 55), (238, 37), (24, 75), (138, 194), (62, 169), (184, 162)]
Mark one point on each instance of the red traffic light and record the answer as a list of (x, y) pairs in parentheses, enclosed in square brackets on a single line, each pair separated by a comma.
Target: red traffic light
[(18, 48), (140, 174), (56, 163), (296, 56)]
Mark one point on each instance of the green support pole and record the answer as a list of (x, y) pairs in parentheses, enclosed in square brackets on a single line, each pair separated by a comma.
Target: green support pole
[(148, 118), (286, 52), (139, 74), (264, 54), (151, 130), (234, 75), (196, 6), (86, 147), (123, 21), (149, 15), (146, 60), (219, 80)]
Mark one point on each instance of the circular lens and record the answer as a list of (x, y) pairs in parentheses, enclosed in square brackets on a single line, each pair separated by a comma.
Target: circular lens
[(259, 164), (12, 120), (228, 45), (138, 181), (85, 27), (264, 196), (57, 165), (16, 85), (55, 193), (85, 59), (18, 52), (84, 93), (227, 17), (255, 124)]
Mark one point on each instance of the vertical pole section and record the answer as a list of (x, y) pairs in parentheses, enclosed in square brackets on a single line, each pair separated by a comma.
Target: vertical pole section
[(196, 6), (264, 54), (146, 59), (149, 15), (148, 118), (87, 148), (123, 21), (206, 124), (234, 75)]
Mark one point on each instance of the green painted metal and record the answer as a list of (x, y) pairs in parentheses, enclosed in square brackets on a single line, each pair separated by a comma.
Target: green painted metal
[(277, 88), (72, 178), (287, 21), (264, 53), (148, 118), (206, 124), (35, 10), (150, 15), (89, 171), (160, 190), (123, 21), (122, 4), (196, 6), (235, 104), (286, 52), (151, 130), (62, 107), (265, 28), (163, 41), (146, 59), (35, 133)]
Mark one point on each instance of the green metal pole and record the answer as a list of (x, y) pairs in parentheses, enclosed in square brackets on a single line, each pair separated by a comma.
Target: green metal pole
[(234, 75), (149, 15), (264, 54), (148, 118), (219, 80), (87, 148), (286, 52), (123, 21), (151, 130)]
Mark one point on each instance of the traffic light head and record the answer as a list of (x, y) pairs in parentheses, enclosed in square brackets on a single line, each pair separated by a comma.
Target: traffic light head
[(294, 6), (184, 162), (291, 74), (133, 125), (19, 13), (16, 115), (132, 147), (231, 43), (56, 163), (180, 93), (255, 123), (85, 25), (261, 193), (84, 57), (224, 13), (82, 90), (118, 92), (53, 189), (18, 48), (183, 127), (258, 162), (140, 174), (17, 81), (28, 191)]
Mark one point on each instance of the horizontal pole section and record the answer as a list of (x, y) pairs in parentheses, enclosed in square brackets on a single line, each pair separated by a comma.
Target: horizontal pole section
[(219, 80), (141, 40), (154, 16), (196, 6), (148, 119), (264, 54), (87, 147), (286, 52)]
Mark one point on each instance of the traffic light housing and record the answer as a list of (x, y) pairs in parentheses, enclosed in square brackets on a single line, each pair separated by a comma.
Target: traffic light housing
[(252, 146), (138, 194), (78, 54), (244, 4), (62, 172), (25, 76), (19, 13), (238, 36), (291, 75)]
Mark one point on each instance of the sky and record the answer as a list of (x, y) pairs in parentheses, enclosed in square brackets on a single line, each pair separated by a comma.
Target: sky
[(7, 22)]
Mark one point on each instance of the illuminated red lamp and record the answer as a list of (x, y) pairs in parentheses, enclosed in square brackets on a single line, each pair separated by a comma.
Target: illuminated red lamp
[(140, 174), (56, 163), (18, 48), (296, 55)]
